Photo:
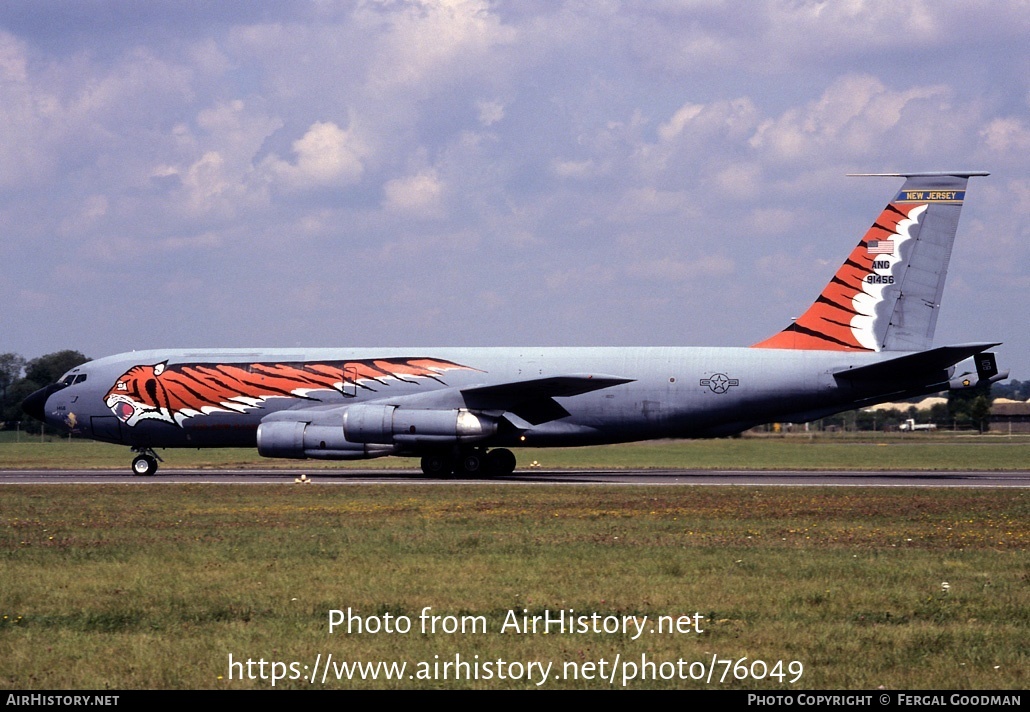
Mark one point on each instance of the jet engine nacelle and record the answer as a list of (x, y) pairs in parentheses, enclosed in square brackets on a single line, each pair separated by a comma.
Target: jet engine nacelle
[(299, 439), (374, 423)]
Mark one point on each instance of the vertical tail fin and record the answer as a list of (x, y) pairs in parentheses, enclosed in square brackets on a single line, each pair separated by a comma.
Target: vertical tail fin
[(886, 295)]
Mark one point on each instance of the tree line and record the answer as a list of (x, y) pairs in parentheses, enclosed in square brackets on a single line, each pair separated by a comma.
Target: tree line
[(20, 377)]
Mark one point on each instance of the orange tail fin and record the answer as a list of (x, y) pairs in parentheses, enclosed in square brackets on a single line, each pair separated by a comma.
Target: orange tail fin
[(887, 294)]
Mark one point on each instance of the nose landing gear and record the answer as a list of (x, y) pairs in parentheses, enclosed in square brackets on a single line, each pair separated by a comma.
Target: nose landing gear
[(145, 463)]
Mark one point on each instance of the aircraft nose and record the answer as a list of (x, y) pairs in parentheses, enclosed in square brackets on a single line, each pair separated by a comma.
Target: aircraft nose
[(35, 404)]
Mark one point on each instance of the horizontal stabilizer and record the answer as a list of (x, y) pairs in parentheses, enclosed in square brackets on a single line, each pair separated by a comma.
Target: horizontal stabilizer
[(914, 365), (986, 373)]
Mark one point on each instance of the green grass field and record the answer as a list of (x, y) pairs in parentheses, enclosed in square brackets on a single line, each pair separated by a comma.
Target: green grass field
[(128, 587)]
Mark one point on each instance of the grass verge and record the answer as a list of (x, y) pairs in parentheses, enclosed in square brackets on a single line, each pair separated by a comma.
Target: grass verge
[(125, 587)]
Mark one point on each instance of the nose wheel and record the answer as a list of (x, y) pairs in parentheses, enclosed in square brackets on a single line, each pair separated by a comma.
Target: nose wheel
[(145, 464)]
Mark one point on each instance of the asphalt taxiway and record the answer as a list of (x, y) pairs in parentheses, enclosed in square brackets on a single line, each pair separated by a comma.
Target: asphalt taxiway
[(564, 477)]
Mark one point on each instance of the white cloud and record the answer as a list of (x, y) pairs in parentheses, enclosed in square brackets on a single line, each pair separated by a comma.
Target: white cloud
[(420, 195), (576, 169), (215, 175), (1006, 135), (858, 21), (740, 180), (695, 132), (490, 112), (325, 156), (206, 179), (12, 59), (426, 41), (850, 119), (27, 116), (674, 126)]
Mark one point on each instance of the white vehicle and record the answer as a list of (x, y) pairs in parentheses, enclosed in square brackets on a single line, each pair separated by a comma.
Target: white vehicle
[(911, 425)]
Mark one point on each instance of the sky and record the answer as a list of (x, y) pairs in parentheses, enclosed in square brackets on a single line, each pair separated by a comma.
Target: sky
[(472, 173)]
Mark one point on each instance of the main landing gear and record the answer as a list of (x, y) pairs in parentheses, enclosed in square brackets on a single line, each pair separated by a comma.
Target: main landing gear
[(145, 463), (470, 463)]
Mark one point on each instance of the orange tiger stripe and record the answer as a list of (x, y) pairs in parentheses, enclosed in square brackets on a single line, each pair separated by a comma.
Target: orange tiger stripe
[(827, 324), (174, 393)]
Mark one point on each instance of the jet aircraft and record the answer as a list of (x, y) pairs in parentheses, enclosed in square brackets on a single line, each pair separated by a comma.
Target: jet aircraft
[(866, 339)]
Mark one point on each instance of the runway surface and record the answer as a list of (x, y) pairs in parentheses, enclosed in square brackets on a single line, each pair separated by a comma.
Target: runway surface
[(526, 477)]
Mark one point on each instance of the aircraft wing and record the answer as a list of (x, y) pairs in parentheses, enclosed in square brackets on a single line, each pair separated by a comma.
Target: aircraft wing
[(533, 400)]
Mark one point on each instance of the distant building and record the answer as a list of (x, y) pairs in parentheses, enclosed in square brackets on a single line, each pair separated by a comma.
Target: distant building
[(1010, 416)]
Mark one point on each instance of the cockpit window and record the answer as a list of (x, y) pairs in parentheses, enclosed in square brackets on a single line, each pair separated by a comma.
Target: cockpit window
[(68, 380), (80, 378)]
